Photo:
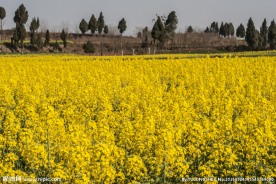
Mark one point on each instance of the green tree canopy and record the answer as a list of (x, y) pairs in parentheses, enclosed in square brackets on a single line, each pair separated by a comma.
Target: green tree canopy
[(83, 26), (214, 27), (47, 38), (263, 35), (226, 30), (34, 25), (190, 29), (272, 35), (21, 33), (170, 26), (89, 47), (100, 23), (63, 37), (21, 15), (106, 30), (2, 15), (171, 22), (231, 29), (20, 18), (33, 28), (155, 32), (240, 32), (207, 30), (222, 30), (162, 31), (122, 26), (251, 36), (92, 25)]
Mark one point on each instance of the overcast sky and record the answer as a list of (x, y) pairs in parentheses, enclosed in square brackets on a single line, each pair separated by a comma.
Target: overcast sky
[(140, 13)]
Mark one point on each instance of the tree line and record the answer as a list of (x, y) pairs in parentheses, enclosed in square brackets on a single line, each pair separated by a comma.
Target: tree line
[(256, 39), (20, 33), (162, 32)]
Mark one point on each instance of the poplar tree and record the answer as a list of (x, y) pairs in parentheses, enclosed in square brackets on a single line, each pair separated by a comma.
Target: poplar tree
[(2, 16), (155, 32), (63, 37), (83, 26), (251, 36), (47, 38), (171, 25), (122, 26), (263, 35), (161, 28), (222, 30), (272, 35), (92, 25), (20, 18), (106, 30), (240, 32), (190, 29), (100, 23), (231, 29), (33, 28)]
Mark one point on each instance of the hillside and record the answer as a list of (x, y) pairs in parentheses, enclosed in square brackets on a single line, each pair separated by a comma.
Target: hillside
[(114, 44)]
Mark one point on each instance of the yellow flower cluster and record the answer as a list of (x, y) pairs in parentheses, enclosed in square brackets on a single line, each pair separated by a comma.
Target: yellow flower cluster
[(146, 119)]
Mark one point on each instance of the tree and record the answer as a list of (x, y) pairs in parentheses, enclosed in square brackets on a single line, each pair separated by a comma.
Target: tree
[(34, 25), (33, 28), (106, 30), (226, 30), (214, 27), (139, 34), (207, 30), (83, 26), (161, 30), (89, 47), (39, 41), (122, 26), (100, 23), (240, 32), (56, 46), (251, 36), (2, 16), (145, 37), (47, 38), (14, 39), (231, 29), (222, 30), (190, 29), (21, 33), (155, 32), (263, 35), (20, 18), (21, 15), (92, 25), (171, 25), (272, 35), (259, 39), (63, 37)]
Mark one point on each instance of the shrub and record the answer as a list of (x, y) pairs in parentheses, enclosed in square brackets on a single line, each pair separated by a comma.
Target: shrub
[(89, 47)]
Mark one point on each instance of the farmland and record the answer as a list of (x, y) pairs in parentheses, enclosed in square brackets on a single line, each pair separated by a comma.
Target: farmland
[(147, 119)]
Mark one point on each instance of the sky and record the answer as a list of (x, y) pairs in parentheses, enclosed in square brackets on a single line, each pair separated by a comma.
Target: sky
[(56, 14)]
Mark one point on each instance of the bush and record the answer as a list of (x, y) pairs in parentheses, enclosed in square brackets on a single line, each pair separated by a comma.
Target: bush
[(89, 47)]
